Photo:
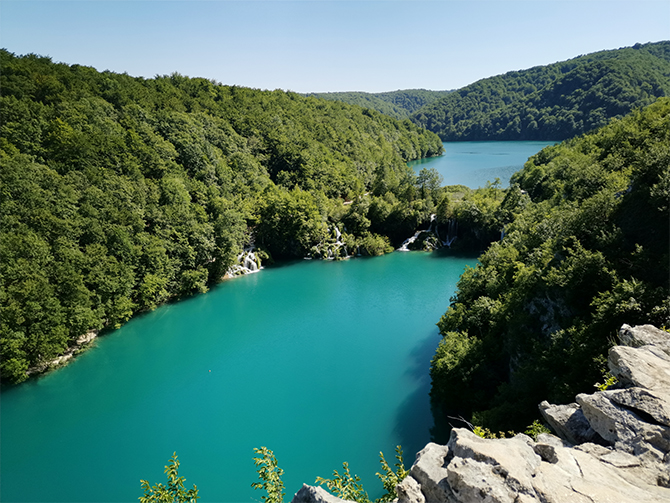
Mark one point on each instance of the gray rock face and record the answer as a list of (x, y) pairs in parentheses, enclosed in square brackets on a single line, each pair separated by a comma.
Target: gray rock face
[(629, 461), (644, 335), (409, 491), (644, 367), (311, 494), (568, 422)]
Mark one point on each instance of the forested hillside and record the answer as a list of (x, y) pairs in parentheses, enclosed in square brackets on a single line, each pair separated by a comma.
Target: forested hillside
[(553, 102), (398, 104), (119, 193), (585, 250)]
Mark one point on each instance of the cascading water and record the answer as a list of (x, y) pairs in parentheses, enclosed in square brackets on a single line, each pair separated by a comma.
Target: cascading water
[(405, 244), (433, 222), (452, 232), (247, 263), (329, 249)]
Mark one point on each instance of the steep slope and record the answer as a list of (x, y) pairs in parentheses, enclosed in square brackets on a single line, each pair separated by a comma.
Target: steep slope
[(119, 193), (399, 104), (553, 102), (588, 252)]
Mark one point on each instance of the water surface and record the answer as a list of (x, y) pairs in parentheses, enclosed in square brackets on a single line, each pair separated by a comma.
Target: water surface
[(473, 163), (322, 362)]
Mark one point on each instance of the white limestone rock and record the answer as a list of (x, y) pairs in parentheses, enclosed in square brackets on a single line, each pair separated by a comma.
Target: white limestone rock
[(312, 494), (644, 335), (645, 367), (409, 491), (429, 470), (568, 422)]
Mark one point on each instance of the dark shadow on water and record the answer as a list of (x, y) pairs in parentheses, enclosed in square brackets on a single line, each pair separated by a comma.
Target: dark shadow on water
[(417, 421), (278, 264), (449, 253), (414, 420)]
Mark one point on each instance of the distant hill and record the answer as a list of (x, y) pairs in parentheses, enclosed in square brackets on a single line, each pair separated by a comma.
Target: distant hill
[(553, 102), (398, 104)]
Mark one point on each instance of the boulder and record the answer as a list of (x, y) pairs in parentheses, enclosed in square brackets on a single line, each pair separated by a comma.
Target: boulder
[(568, 422), (409, 491), (623, 427), (644, 367), (518, 470), (429, 471), (312, 494), (650, 404), (644, 335)]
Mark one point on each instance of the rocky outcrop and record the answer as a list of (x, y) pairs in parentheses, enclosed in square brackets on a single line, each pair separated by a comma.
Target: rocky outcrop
[(611, 446)]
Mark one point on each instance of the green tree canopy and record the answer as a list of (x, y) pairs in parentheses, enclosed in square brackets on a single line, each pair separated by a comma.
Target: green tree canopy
[(588, 252), (119, 193), (553, 102)]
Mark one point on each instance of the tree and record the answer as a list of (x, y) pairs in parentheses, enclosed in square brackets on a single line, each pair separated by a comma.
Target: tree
[(429, 179)]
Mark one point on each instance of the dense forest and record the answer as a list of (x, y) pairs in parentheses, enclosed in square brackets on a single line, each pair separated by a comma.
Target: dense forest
[(553, 102), (585, 249), (119, 193), (399, 104)]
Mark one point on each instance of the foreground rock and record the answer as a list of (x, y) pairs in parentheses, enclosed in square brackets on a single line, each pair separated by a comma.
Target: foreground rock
[(311, 494), (615, 444)]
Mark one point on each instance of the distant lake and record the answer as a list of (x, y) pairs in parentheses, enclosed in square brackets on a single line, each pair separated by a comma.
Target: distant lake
[(473, 163), (322, 362)]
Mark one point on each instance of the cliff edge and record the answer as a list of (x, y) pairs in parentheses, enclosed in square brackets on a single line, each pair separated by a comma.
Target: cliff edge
[(611, 446)]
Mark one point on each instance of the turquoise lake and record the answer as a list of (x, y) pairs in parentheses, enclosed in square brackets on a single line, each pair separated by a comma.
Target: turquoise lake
[(473, 163), (322, 362)]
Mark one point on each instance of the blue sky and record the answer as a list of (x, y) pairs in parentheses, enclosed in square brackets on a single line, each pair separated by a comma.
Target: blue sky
[(318, 46)]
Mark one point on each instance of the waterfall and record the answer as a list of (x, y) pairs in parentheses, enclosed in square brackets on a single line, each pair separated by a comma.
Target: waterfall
[(433, 223), (329, 248), (247, 263), (405, 244), (452, 232)]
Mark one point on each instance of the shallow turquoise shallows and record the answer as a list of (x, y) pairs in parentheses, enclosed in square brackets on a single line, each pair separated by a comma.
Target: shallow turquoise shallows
[(473, 163), (322, 362)]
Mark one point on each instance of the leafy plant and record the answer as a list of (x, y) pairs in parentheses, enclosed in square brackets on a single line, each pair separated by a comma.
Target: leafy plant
[(345, 486), (608, 381), (535, 429), (389, 478), (174, 492), (486, 433), (270, 474)]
